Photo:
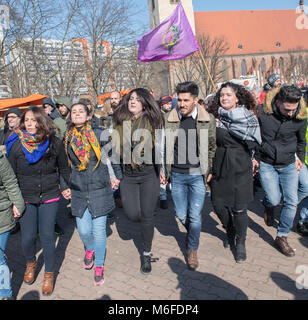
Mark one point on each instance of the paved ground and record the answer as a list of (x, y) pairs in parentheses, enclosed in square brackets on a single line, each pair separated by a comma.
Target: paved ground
[(266, 274)]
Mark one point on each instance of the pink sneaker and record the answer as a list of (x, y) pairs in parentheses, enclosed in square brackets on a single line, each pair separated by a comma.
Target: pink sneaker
[(88, 260), (98, 276)]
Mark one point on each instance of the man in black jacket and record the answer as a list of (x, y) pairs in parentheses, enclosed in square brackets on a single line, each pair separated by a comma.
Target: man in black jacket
[(11, 122), (283, 126)]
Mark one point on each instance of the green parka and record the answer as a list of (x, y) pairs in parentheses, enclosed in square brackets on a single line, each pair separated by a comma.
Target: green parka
[(9, 194)]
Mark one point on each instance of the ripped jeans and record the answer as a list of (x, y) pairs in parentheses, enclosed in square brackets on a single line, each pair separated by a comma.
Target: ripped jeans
[(188, 194)]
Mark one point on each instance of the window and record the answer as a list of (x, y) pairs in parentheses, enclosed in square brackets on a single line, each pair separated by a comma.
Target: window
[(174, 1), (153, 5), (281, 65), (243, 67), (263, 66), (224, 70)]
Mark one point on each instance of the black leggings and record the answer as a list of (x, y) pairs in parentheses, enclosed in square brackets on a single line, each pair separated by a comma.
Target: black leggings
[(46, 215), (139, 197)]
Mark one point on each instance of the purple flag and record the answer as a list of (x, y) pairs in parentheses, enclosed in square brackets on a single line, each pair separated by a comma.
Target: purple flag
[(172, 39)]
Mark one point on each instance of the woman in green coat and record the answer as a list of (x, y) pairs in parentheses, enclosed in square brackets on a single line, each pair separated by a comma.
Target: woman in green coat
[(11, 206)]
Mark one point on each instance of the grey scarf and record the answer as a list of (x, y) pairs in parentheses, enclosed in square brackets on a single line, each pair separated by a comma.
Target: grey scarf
[(240, 121)]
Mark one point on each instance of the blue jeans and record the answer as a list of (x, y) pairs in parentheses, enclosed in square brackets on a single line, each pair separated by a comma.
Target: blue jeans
[(188, 194), (92, 232), (303, 193), (277, 183), (5, 277)]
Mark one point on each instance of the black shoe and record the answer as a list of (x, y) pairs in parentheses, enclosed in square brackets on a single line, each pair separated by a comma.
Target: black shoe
[(58, 230), (302, 230), (163, 204), (146, 267), (240, 252), (16, 228)]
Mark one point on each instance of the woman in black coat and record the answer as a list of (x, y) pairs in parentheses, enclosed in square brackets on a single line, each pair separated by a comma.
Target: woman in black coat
[(37, 157), (238, 134), (91, 184)]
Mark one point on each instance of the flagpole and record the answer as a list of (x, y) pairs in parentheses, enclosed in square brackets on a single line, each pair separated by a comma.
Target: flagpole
[(208, 71)]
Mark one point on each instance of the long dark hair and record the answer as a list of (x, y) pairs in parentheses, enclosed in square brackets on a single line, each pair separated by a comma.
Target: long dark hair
[(46, 129), (245, 98), (151, 109)]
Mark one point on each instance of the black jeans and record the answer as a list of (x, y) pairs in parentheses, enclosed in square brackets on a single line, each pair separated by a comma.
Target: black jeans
[(46, 215), (139, 199)]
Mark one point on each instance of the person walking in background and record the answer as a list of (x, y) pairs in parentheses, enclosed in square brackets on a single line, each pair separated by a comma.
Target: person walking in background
[(282, 120), (37, 157), (237, 136), (12, 206), (91, 187), (189, 162), (11, 123), (140, 185)]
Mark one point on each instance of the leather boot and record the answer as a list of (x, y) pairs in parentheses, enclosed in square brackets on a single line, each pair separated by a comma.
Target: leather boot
[(282, 244), (269, 216), (30, 272), (47, 288), (192, 260), (240, 224)]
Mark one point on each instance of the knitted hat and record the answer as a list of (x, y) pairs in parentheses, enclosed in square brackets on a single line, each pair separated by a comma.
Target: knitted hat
[(272, 79), (14, 110), (64, 101)]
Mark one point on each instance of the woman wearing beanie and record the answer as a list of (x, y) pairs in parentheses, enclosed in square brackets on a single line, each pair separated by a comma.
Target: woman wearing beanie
[(238, 134)]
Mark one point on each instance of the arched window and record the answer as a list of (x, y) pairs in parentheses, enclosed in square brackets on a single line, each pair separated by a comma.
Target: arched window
[(263, 66), (281, 65), (243, 67), (224, 69)]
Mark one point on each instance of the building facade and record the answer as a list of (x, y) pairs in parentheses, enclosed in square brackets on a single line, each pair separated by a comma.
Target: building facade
[(260, 42)]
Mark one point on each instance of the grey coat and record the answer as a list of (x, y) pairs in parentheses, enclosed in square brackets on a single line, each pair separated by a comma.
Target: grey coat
[(9, 194), (91, 189)]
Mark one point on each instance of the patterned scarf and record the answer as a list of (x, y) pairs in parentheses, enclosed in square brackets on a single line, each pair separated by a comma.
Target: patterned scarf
[(33, 151), (240, 121), (81, 143)]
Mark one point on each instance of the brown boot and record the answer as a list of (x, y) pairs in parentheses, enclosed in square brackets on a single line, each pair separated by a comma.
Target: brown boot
[(47, 288), (269, 216), (30, 272), (192, 260), (284, 247)]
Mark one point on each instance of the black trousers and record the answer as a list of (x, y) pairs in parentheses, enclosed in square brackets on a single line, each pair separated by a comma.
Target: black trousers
[(45, 214), (139, 197)]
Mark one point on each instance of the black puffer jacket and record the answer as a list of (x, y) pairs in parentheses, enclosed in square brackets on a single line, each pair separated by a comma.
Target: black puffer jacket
[(39, 181), (91, 189), (282, 138)]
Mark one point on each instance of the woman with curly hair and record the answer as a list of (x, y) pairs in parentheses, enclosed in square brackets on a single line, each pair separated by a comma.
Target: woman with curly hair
[(37, 157), (237, 136), (91, 184)]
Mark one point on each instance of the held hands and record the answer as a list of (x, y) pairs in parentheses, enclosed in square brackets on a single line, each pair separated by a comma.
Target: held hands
[(114, 183), (66, 193), (255, 166), (16, 213), (163, 179), (298, 164)]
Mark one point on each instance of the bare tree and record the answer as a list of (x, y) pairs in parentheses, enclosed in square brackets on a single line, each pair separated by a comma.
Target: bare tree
[(193, 68)]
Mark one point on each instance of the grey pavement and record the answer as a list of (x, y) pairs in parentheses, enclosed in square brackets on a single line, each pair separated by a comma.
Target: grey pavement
[(266, 274)]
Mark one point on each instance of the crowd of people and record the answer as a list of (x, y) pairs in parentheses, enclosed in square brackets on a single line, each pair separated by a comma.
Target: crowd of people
[(133, 149)]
